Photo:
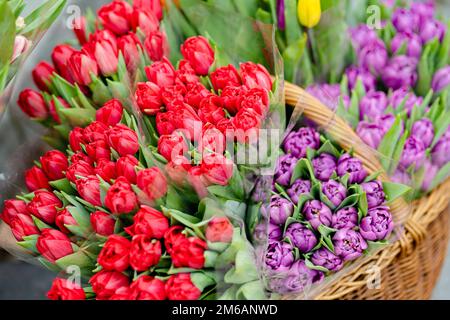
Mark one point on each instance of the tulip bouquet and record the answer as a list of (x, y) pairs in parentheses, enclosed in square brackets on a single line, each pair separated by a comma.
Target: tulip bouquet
[(321, 210), (142, 194), (19, 34), (395, 95)]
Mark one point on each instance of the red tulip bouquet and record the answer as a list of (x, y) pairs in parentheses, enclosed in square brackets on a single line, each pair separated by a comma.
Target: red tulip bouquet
[(145, 198), (320, 211)]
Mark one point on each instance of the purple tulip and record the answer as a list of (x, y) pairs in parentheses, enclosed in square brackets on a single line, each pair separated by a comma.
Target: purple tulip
[(325, 258), (404, 20), (404, 94), (354, 73), (278, 210), (441, 151), (413, 153), (274, 232), (431, 171), (328, 94), (410, 40), (425, 10), (334, 191), (281, 15), (373, 57), (317, 213), (400, 72), (297, 142), (298, 188), (377, 225), (285, 166), (372, 105), (423, 130), (386, 121), (370, 133), (348, 244), (279, 256), (352, 166), (324, 165), (401, 176), (262, 188), (345, 218), (431, 29), (301, 237), (374, 192), (362, 35), (298, 278), (441, 79)]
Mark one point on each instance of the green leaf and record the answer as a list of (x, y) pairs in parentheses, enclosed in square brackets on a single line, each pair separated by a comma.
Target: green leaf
[(202, 280), (251, 291), (398, 153), (388, 144), (62, 185), (78, 117), (43, 16), (303, 170), (441, 176), (311, 266), (350, 201), (41, 225), (394, 191), (325, 231), (7, 33), (79, 259), (376, 245), (329, 148), (223, 192), (424, 72), (29, 243), (63, 87)]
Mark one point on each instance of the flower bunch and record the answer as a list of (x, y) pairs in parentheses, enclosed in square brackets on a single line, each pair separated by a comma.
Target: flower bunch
[(118, 220), (324, 211), (395, 95)]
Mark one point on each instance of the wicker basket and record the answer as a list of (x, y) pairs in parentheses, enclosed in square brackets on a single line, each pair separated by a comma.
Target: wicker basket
[(408, 268)]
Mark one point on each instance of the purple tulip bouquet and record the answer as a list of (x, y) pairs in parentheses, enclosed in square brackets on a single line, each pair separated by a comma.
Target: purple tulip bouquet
[(395, 94), (321, 210)]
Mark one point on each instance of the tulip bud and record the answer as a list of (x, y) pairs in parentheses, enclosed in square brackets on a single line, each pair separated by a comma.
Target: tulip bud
[(106, 283), (76, 138), (98, 150), (60, 57), (161, 73), (111, 113), (441, 151), (325, 258), (172, 145), (309, 12), (106, 169), (54, 163), (400, 72), (413, 154), (298, 188), (123, 140), (348, 244), (224, 77), (156, 45), (317, 213), (53, 245), (128, 45), (120, 198), (374, 193), (441, 79), (324, 166), (115, 16), (102, 223), (346, 218), (377, 225), (278, 210), (12, 208), (284, 168), (199, 53), (21, 45), (32, 104), (148, 98), (81, 66), (279, 256), (126, 167), (217, 169), (152, 182), (148, 288), (353, 167), (36, 179), (101, 36), (42, 75), (297, 142), (106, 56), (54, 112), (44, 206), (301, 237), (95, 131), (114, 255), (255, 76), (177, 169), (63, 289), (334, 191), (188, 252), (153, 6), (22, 225), (89, 190), (423, 129), (63, 218), (149, 222), (370, 133), (219, 229), (79, 28), (78, 170)]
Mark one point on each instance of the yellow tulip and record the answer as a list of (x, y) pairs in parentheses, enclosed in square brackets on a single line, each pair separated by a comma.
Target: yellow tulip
[(309, 12)]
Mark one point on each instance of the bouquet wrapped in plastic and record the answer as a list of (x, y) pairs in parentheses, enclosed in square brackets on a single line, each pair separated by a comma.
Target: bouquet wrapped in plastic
[(146, 196), (321, 212)]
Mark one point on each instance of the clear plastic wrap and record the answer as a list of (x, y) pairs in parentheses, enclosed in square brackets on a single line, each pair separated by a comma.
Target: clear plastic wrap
[(132, 208)]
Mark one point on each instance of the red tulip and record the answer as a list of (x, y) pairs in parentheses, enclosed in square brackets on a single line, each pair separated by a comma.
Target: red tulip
[(81, 66), (53, 245), (94, 132), (211, 109), (177, 169), (106, 169), (153, 6), (106, 283), (165, 122), (172, 145), (54, 112), (120, 198), (60, 57), (111, 113), (147, 288), (36, 179), (98, 150), (63, 289), (42, 75), (255, 75), (217, 169), (33, 104), (152, 182), (224, 77), (129, 45), (126, 167), (145, 21), (89, 190), (232, 98), (162, 73), (144, 252), (148, 98), (196, 93), (180, 287), (76, 139), (123, 140), (114, 255), (149, 222), (79, 28), (115, 16), (219, 229), (22, 225), (12, 208), (199, 53), (44, 206), (156, 45), (106, 57), (54, 163), (79, 170), (64, 218), (102, 223), (104, 35)]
